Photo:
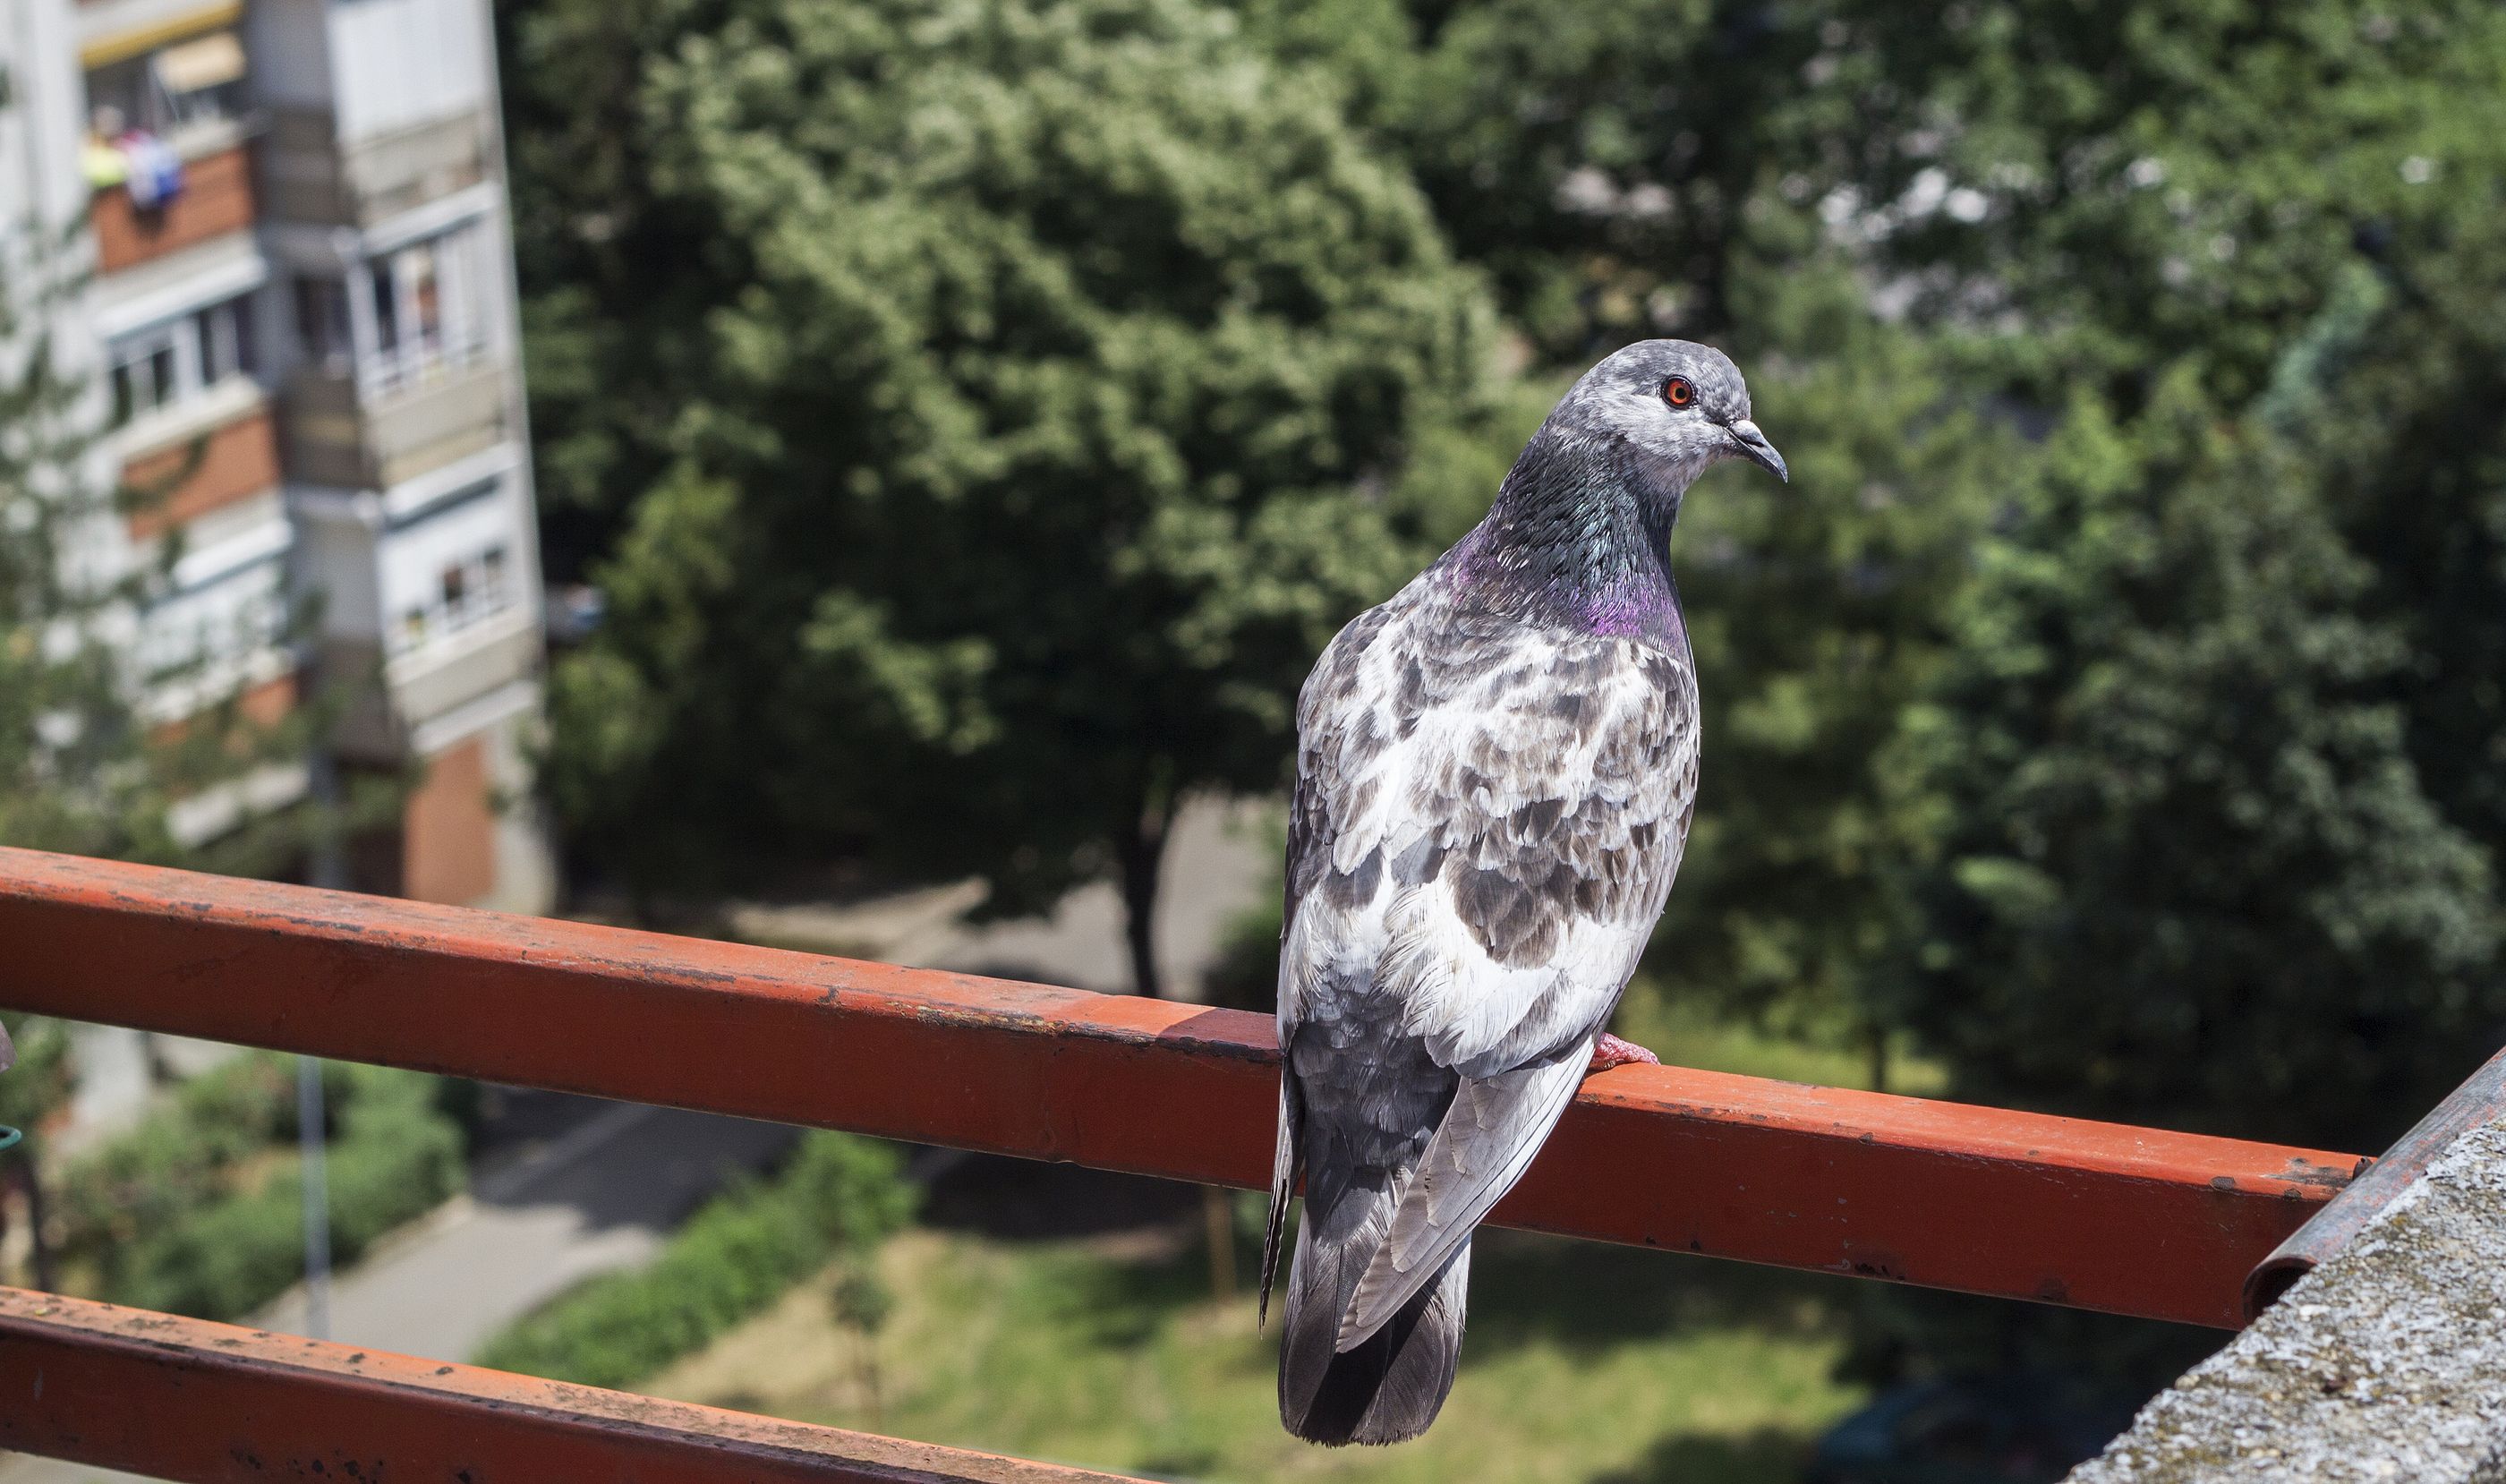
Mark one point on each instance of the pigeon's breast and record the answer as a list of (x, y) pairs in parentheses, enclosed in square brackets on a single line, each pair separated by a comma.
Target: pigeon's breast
[(1489, 815)]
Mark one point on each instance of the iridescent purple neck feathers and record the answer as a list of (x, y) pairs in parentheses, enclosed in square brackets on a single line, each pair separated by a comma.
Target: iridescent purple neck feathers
[(1579, 536)]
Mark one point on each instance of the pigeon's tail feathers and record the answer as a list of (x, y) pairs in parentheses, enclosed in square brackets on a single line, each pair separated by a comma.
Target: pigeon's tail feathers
[(1389, 1388), (1484, 1144), (1283, 1185)]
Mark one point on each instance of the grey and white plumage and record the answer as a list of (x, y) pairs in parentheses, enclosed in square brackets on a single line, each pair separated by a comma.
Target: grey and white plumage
[(1495, 773)]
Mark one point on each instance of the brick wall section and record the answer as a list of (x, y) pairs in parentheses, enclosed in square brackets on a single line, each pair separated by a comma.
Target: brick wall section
[(448, 836), (217, 198), (239, 460), (265, 705)]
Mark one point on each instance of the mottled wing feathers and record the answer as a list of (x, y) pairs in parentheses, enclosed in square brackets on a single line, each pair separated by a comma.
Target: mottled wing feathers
[(1487, 1140), (1283, 1185)]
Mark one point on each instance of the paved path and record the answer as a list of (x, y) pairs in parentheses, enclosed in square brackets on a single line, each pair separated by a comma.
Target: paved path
[(604, 1194)]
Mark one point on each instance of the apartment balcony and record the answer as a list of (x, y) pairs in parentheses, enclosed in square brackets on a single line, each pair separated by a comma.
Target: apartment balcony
[(437, 413), (218, 197), (466, 664), (225, 452), (420, 685), (310, 177)]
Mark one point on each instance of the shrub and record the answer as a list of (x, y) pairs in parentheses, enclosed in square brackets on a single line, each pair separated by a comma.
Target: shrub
[(179, 1159), (838, 1195), (200, 1210)]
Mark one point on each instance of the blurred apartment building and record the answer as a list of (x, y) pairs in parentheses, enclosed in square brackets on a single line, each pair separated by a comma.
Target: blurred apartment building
[(300, 290)]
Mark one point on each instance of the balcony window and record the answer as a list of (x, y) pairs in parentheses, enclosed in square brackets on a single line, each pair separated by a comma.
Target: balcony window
[(465, 593), (426, 310), (173, 91), (403, 319), (207, 634), (170, 363)]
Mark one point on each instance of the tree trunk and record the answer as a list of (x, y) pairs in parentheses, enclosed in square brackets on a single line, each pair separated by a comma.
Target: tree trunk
[(1143, 854), (42, 1246), (1218, 1227)]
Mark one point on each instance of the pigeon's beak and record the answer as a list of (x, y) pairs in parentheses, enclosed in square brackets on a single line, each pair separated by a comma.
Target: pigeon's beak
[(1752, 445)]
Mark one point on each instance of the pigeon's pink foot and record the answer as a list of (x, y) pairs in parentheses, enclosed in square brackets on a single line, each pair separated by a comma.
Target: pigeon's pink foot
[(1609, 1051)]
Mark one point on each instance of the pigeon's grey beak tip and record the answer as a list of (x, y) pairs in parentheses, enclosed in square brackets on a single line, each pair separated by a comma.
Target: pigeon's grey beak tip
[(1753, 446)]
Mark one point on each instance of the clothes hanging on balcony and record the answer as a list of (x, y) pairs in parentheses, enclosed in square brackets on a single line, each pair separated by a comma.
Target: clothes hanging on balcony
[(152, 171), (102, 162)]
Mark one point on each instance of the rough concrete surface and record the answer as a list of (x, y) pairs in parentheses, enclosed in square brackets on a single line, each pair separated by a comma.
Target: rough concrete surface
[(2388, 1362)]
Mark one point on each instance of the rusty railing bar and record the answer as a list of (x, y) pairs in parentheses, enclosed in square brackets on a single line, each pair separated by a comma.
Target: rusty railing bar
[(1983, 1200), (187, 1400)]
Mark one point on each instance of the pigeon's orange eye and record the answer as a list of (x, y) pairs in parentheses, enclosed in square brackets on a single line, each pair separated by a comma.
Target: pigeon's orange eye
[(1680, 391)]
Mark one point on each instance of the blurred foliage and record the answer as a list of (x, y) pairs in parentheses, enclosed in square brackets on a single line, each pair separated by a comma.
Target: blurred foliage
[(82, 769), (2189, 874), (839, 1196), (1819, 614), (1043, 384), (40, 1080), (200, 1210), (1938, 238)]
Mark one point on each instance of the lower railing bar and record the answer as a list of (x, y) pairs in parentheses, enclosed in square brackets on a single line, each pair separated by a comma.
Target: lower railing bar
[(2018, 1205), (187, 1399)]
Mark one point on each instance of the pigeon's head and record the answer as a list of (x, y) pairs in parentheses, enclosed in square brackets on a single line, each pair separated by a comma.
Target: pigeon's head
[(1680, 405)]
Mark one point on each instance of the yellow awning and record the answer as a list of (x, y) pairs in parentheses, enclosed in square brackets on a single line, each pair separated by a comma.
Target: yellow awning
[(138, 41), (214, 58)]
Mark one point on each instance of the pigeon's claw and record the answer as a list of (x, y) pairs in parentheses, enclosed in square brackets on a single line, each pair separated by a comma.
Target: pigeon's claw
[(1609, 1051)]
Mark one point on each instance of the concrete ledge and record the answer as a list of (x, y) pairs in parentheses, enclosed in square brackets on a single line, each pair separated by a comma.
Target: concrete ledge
[(2388, 1362)]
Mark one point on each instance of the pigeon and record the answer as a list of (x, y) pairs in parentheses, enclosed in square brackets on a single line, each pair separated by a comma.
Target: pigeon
[(1495, 772)]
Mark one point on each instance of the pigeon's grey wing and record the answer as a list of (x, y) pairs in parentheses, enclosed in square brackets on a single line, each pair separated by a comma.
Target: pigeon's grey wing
[(1316, 815), (1284, 1160), (1556, 795), (1487, 1140)]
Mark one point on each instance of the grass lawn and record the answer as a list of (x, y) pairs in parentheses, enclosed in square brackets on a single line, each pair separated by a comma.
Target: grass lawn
[(1584, 1363)]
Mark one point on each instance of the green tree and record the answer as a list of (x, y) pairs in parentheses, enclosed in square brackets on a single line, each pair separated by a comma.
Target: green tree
[(2398, 415), (2191, 877), (1069, 372), (74, 759), (618, 272), (74, 765), (2278, 221), (32, 1085)]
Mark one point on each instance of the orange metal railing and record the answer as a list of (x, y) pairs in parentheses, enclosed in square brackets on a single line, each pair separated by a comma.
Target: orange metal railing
[(2097, 1215), (187, 1399)]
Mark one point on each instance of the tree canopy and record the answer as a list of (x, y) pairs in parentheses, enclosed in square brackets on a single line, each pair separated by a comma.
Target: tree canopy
[(1052, 381)]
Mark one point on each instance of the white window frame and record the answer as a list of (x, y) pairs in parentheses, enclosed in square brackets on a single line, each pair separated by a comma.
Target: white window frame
[(208, 632), (189, 341), (487, 589), (394, 282), (134, 362)]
